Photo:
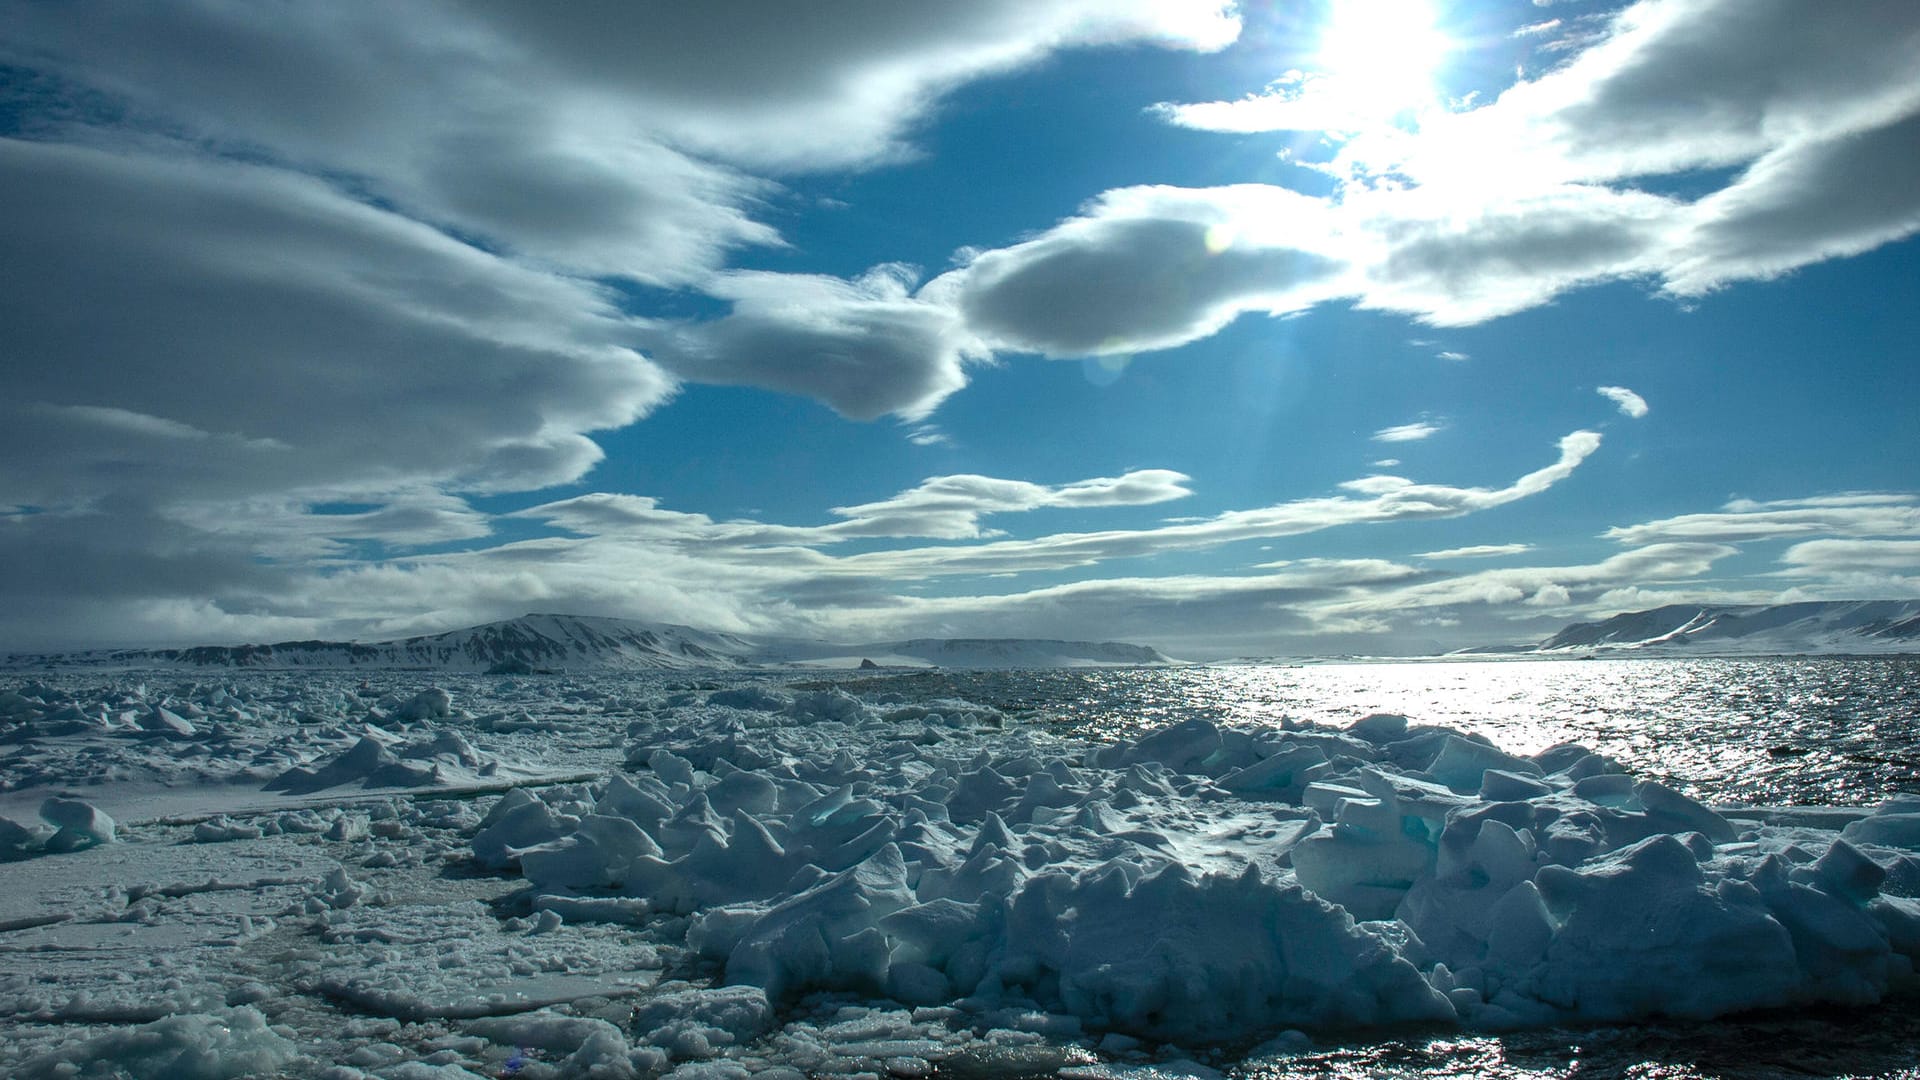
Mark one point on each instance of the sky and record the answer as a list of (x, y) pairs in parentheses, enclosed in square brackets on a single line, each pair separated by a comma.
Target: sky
[(1288, 328)]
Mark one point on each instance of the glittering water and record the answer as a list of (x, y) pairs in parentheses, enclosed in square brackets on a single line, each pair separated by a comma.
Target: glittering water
[(1881, 1042), (1779, 731)]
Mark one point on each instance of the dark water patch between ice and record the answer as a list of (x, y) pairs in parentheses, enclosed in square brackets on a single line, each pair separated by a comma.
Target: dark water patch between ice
[(1879, 1041)]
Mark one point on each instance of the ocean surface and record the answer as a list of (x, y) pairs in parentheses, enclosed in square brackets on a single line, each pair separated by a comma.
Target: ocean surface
[(1798, 731)]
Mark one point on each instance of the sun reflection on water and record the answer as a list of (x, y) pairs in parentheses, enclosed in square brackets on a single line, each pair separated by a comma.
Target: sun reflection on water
[(1808, 730)]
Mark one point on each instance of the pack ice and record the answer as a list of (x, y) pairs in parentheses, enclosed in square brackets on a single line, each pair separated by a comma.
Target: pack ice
[(771, 876), (1204, 884)]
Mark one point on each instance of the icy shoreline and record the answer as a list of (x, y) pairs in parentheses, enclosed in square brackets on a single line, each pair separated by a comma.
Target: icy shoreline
[(770, 877)]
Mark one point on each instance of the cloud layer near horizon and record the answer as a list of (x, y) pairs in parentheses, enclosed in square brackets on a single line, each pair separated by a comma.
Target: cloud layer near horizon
[(756, 577)]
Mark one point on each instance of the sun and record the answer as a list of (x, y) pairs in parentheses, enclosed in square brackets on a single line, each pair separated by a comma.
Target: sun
[(1381, 56)]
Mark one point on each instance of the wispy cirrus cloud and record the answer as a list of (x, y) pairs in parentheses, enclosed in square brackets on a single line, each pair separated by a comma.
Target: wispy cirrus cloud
[(1194, 615), (1845, 546), (1372, 500), (777, 578), (941, 508), (1311, 605), (951, 507), (1477, 551), (1414, 432), (1545, 586)]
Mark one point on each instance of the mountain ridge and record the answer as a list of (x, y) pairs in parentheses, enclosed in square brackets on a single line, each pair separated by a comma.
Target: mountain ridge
[(1802, 627), (553, 642)]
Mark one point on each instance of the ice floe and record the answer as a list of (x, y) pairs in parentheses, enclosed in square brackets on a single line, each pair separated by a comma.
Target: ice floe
[(752, 877)]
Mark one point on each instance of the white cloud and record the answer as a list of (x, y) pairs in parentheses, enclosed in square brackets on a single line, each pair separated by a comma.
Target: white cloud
[(863, 347), (1148, 268), (286, 529), (297, 340), (127, 423), (615, 145), (1654, 564), (1673, 85), (1630, 403), (1846, 546), (1152, 268), (1477, 551), (203, 351), (630, 556), (1850, 516), (608, 139), (1811, 200), (778, 87), (774, 578), (950, 506), (1458, 254), (1679, 85), (1377, 503), (1297, 101), (266, 262), (1502, 207), (1398, 500), (435, 112), (1554, 596), (940, 507), (1312, 606), (592, 577), (379, 236), (1414, 432), (1845, 499), (621, 141), (1187, 615), (1855, 556), (1852, 569)]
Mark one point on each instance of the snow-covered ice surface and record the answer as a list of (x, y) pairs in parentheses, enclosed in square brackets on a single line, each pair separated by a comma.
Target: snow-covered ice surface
[(727, 875)]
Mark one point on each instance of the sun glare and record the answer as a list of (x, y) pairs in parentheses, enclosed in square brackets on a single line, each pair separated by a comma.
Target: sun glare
[(1382, 54)]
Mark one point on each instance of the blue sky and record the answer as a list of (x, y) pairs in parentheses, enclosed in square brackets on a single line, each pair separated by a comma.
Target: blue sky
[(1382, 326)]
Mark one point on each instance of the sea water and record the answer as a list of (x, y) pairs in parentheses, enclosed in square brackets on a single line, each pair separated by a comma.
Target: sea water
[(1840, 731)]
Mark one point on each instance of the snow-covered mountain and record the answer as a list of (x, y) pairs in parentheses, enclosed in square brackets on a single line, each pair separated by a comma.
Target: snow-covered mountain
[(1831, 626), (531, 642), (578, 642)]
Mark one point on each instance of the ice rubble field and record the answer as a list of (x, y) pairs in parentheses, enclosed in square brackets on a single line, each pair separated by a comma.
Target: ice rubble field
[(310, 876)]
